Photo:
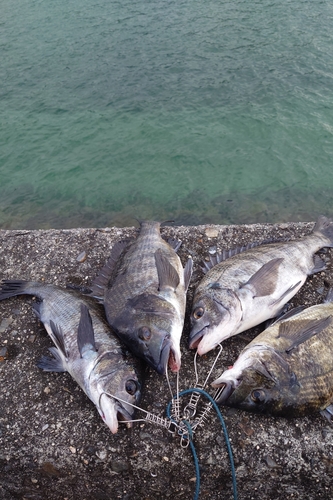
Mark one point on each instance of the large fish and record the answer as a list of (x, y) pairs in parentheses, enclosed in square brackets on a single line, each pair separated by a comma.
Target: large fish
[(288, 369), (85, 347), (253, 285), (143, 289)]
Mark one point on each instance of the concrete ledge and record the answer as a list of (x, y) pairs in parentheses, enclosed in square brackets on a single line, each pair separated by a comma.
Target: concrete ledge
[(55, 446)]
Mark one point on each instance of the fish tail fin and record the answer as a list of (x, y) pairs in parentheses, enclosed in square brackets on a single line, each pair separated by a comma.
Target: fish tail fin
[(11, 288), (324, 227)]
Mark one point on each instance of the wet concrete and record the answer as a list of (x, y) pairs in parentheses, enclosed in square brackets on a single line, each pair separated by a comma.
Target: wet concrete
[(55, 446)]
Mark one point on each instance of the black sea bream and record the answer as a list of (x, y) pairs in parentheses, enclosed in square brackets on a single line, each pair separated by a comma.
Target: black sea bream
[(85, 347), (143, 288), (253, 285), (287, 370)]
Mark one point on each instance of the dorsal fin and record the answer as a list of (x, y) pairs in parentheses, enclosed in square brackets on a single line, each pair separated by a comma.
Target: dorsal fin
[(167, 274), (226, 254), (85, 333), (100, 283)]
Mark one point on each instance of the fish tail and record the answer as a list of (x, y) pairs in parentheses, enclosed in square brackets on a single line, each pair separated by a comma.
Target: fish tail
[(149, 224), (324, 227), (11, 288)]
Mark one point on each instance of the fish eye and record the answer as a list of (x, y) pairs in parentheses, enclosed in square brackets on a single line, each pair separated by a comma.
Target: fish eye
[(258, 396), (144, 333), (198, 312), (131, 387)]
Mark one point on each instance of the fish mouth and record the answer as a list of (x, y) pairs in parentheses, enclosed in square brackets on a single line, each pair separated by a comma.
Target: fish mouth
[(124, 416), (224, 391), (196, 338), (165, 357)]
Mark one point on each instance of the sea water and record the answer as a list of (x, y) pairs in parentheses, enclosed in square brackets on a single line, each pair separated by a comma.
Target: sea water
[(201, 111)]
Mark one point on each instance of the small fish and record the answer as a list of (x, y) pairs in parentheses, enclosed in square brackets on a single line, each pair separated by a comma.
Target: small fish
[(85, 347), (143, 288), (288, 369), (252, 284)]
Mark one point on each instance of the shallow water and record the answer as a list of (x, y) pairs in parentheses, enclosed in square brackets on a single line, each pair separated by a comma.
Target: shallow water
[(204, 112)]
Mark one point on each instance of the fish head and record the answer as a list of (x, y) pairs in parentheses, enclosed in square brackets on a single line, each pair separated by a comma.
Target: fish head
[(260, 382), (116, 390), (216, 315), (147, 327)]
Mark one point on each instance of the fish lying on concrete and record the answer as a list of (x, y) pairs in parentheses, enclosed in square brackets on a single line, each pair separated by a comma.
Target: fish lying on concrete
[(85, 347), (287, 370), (252, 285), (143, 288)]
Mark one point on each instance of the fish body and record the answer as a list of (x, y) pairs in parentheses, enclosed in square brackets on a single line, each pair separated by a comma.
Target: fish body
[(253, 285), (84, 347), (287, 370), (143, 288)]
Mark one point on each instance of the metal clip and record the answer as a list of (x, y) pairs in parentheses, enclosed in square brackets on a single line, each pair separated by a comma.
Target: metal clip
[(191, 408), (169, 424)]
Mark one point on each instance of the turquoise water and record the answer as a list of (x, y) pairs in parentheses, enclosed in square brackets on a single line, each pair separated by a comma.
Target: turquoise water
[(203, 111)]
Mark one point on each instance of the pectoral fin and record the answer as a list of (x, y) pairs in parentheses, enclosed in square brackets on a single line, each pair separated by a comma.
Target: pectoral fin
[(167, 274), (301, 331), (85, 333), (264, 281)]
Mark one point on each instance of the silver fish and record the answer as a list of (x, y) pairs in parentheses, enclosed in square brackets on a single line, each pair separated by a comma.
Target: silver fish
[(287, 370), (143, 289), (85, 347), (253, 285)]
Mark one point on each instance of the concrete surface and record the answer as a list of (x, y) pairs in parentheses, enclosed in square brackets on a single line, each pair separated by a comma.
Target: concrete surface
[(55, 446)]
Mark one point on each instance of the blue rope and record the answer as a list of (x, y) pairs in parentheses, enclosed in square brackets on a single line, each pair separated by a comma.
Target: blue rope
[(226, 437)]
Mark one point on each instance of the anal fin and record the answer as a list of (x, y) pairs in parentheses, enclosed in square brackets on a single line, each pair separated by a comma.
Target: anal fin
[(319, 264), (54, 364), (328, 413)]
